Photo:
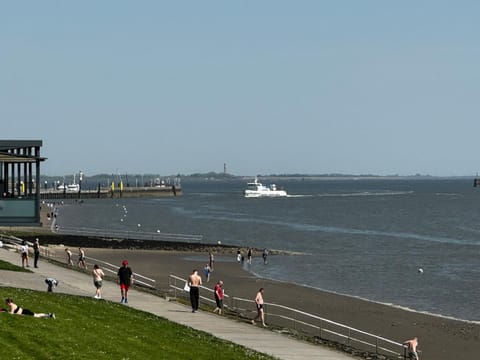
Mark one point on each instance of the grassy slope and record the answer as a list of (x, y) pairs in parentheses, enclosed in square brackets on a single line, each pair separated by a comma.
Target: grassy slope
[(86, 328), (7, 266)]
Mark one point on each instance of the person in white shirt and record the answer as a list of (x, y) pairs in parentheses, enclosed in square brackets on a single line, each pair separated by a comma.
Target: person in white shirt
[(24, 253), (97, 281)]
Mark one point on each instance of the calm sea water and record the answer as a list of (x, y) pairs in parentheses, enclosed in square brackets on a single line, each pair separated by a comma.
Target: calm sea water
[(364, 238)]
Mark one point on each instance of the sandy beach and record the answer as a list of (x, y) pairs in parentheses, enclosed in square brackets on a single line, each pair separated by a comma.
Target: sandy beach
[(440, 338)]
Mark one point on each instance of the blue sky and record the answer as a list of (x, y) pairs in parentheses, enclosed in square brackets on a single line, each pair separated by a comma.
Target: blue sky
[(357, 87)]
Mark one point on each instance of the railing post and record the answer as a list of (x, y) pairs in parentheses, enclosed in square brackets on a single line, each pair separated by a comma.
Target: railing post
[(175, 284), (294, 320)]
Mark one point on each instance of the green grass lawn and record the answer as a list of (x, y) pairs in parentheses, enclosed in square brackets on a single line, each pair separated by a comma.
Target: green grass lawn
[(7, 266), (87, 328)]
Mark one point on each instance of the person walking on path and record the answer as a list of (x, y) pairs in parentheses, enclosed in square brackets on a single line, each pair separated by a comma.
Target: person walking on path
[(98, 275), (81, 258), (218, 293), (24, 253), (411, 346), (36, 252), (125, 280), (259, 305), (194, 281), (15, 309), (69, 257)]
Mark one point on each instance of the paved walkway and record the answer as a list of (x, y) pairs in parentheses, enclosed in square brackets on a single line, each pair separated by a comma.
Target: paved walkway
[(253, 337)]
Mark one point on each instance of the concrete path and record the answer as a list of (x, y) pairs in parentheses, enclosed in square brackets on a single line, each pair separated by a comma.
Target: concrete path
[(253, 337)]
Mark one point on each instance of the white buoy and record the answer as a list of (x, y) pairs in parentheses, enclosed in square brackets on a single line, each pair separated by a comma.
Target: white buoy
[(158, 231), (420, 271)]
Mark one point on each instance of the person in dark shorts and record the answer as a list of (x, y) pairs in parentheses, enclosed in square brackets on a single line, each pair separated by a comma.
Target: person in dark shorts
[(98, 275), (82, 258), (15, 309), (125, 280), (259, 305), (411, 346), (218, 293)]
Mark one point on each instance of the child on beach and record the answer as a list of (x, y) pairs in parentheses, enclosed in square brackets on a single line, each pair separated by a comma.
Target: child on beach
[(207, 270)]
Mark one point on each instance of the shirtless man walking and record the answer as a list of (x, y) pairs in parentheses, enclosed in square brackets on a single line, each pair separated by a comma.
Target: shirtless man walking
[(259, 305), (412, 348), (194, 281)]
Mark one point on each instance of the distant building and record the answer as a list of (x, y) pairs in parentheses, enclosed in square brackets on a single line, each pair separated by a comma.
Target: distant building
[(20, 182)]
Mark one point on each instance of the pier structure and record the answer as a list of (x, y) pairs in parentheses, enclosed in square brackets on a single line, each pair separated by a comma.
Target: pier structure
[(20, 182), (119, 192)]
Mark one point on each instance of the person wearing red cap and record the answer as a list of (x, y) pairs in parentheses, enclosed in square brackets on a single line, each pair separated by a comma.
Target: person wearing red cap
[(125, 280)]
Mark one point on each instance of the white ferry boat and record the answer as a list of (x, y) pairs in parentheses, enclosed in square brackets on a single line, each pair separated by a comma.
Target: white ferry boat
[(257, 189)]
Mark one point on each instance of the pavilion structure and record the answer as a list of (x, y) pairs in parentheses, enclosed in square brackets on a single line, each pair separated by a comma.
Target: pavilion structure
[(20, 182)]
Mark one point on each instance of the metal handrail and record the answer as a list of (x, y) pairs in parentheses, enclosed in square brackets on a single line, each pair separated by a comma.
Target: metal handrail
[(16, 242), (114, 269), (128, 234), (183, 281), (317, 323)]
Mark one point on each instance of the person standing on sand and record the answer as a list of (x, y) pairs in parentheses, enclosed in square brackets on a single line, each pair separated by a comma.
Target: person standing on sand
[(125, 280), (411, 346), (259, 305), (194, 281), (249, 256), (36, 252), (69, 257), (218, 293), (207, 270), (210, 260), (98, 275)]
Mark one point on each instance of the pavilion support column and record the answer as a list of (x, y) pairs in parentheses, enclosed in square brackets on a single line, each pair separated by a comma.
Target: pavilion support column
[(37, 183)]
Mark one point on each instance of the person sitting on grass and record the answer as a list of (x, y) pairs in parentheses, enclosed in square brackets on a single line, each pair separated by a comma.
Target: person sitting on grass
[(15, 309)]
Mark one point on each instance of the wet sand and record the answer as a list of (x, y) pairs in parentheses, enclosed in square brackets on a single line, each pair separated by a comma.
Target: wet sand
[(440, 338)]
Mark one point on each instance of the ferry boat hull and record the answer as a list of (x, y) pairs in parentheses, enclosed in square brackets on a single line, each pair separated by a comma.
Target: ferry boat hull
[(256, 190)]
